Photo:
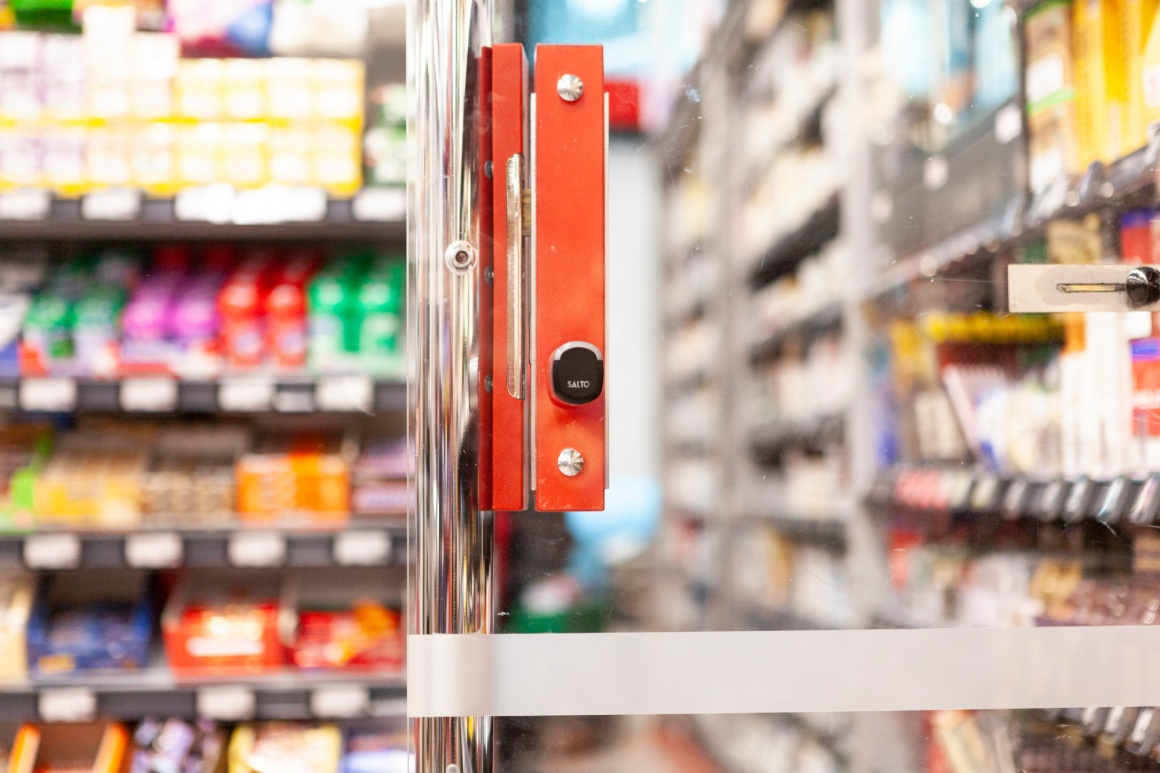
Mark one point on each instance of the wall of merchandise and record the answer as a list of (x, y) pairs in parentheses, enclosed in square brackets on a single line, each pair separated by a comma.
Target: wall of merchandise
[(203, 478), (858, 433)]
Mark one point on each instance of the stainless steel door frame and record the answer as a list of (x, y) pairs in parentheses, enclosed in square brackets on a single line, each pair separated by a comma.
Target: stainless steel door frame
[(452, 539)]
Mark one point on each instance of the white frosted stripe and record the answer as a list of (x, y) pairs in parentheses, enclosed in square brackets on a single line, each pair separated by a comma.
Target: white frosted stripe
[(782, 671)]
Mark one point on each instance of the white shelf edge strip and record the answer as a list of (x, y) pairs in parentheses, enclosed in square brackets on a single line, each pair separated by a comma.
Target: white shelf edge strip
[(519, 675)]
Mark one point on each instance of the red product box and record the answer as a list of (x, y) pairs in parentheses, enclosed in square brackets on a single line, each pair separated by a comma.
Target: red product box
[(226, 622), (347, 619)]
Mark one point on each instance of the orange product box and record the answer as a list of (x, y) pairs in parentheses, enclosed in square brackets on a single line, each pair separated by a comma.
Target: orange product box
[(225, 622), (299, 475), (100, 748)]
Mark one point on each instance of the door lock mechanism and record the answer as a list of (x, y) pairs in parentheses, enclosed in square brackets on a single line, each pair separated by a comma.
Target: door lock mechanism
[(1081, 288)]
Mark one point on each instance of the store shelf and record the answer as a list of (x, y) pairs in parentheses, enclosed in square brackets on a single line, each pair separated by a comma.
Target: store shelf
[(786, 253), (155, 692), (1120, 502), (1099, 186), (828, 533), (155, 219), (256, 393), (771, 440), (980, 242), (360, 541), (824, 321)]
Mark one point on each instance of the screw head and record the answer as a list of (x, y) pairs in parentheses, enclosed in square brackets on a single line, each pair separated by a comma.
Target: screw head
[(569, 87), (570, 462), (487, 169), (487, 384), (460, 256), (1143, 286)]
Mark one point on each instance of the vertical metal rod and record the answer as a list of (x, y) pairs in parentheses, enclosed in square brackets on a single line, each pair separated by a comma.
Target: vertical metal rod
[(451, 574)]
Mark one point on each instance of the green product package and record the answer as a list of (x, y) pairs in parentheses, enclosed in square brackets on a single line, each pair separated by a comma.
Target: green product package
[(330, 307), (48, 326)]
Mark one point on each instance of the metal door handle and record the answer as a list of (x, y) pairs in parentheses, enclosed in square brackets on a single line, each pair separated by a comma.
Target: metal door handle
[(517, 320)]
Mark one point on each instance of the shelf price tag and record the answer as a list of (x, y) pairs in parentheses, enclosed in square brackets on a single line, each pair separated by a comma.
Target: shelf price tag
[(340, 702), (250, 394), (257, 549), (52, 551), (112, 204), (151, 394), (213, 203), (52, 394), (66, 704), (280, 204), (345, 393), (227, 703), (362, 548), (25, 204), (154, 550), (383, 205)]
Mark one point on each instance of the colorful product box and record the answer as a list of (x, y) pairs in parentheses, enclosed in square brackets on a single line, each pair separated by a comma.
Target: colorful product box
[(225, 622), (91, 747), (285, 746), (91, 620), (349, 619), (1050, 88), (296, 476)]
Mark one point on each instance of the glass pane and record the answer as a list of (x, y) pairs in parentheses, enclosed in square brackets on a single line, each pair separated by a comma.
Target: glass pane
[(821, 413)]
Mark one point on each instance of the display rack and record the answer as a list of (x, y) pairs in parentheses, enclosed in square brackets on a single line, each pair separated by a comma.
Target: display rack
[(140, 215), (927, 213)]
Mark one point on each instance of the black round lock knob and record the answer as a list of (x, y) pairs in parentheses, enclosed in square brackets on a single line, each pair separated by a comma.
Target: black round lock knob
[(1143, 286), (577, 373)]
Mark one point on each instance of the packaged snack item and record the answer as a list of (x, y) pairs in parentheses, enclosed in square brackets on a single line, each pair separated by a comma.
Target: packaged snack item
[(295, 475), (224, 622), (96, 619), (24, 450), (177, 746), (347, 619), (17, 591), (1050, 87), (71, 748), (285, 747), (375, 751), (191, 478), (379, 479), (1100, 80), (1136, 19), (94, 477)]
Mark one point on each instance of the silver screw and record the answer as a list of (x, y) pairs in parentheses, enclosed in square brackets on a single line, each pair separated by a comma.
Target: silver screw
[(487, 169), (489, 275), (570, 462), (487, 384), (569, 87), (460, 256)]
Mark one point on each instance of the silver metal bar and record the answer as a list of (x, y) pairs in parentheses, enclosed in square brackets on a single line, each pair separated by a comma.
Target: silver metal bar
[(450, 583), (517, 318)]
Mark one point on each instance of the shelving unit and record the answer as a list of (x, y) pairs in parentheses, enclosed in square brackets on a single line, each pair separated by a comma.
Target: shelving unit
[(903, 254), (270, 223)]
